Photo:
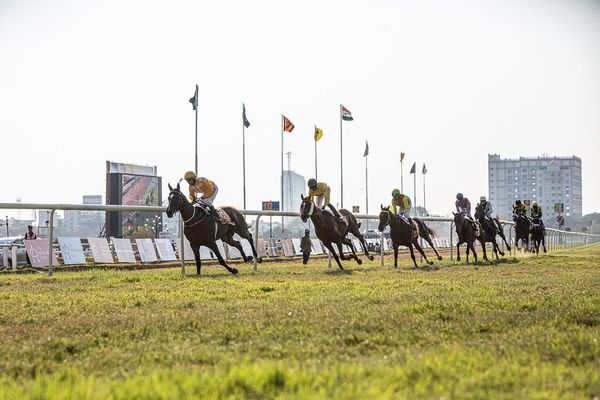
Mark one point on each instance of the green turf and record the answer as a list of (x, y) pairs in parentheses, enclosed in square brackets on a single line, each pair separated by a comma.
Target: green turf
[(522, 328)]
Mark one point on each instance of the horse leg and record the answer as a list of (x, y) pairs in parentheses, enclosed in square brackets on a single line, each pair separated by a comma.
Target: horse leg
[(337, 260), (418, 247), (348, 243), (495, 248), (482, 242), (251, 241), (412, 254), (342, 256), (395, 246), (232, 242), (468, 250), (361, 238), (196, 250), (474, 252), (430, 243), (215, 249), (458, 251), (544, 241)]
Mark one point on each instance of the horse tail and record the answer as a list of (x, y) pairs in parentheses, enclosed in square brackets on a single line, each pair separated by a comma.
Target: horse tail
[(359, 224)]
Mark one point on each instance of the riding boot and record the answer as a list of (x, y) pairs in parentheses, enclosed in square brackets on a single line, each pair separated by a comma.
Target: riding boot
[(213, 212), (335, 212), (415, 230)]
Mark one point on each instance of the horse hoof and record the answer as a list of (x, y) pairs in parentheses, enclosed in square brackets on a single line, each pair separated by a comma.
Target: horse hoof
[(371, 258), (359, 261), (502, 253), (250, 258), (259, 260), (439, 258), (430, 262), (234, 271), (508, 248)]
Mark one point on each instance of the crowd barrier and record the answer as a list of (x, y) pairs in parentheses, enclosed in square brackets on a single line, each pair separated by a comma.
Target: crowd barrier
[(152, 250)]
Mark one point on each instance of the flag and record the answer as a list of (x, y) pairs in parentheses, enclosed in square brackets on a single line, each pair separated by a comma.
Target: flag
[(194, 99), (401, 157), (366, 149), (346, 114), (246, 122), (413, 169), (287, 124), (424, 169), (318, 134)]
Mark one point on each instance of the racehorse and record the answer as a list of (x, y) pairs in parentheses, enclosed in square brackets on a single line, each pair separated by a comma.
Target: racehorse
[(479, 213), (466, 234), (203, 230), (538, 235), (522, 230), (329, 229), (489, 230), (427, 233), (401, 234)]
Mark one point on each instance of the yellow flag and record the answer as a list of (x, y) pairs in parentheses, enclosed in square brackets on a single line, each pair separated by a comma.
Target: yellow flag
[(318, 134)]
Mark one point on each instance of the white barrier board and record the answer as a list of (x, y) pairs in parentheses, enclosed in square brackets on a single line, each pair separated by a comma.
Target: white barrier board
[(165, 249), (146, 250), (38, 252), (296, 243), (317, 246), (124, 250), (100, 251), (71, 250), (261, 249), (288, 248), (357, 245), (272, 248)]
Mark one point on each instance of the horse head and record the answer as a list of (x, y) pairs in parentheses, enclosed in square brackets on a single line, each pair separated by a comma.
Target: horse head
[(307, 208), (176, 200), (384, 218), (479, 211)]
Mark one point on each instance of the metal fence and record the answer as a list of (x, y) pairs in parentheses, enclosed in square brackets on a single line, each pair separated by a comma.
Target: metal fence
[(555, 238)]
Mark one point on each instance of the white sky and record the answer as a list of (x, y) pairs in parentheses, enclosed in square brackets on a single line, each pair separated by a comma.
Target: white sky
[(82, 82)]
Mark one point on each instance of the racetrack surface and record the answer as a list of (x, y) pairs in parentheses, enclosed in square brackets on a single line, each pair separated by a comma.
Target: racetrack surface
[(526, 327)]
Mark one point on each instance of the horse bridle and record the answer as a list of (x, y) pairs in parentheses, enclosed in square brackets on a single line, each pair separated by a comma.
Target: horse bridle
[(179, 205)]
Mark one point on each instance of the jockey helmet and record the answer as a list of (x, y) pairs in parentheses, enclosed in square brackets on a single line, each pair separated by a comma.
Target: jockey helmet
[(312, 183), (459, 196), (534, 204), (307, 231), (395, 193), (482, 198), (189, 176), (518, 202)]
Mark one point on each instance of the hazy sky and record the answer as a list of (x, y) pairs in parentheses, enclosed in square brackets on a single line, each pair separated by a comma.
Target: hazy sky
[(82, 82)]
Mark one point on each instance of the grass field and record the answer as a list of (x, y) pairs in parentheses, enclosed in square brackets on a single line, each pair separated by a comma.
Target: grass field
[(522, 328)]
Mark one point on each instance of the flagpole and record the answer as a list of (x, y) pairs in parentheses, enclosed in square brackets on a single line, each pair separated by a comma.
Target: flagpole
[(401, 176), (281, 208), (316, 174), (341, 163), (415, 188), (244, 155), (196, 147), (424, 206), (367, 187)]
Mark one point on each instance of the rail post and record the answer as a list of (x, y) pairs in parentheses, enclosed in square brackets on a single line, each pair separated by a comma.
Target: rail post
[(50, 239), (328, 259), (381, 249), (181, 245), (451, 241), (512, 245), (255, 266)]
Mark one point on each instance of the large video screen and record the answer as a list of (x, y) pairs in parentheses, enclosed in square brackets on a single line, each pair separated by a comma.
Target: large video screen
[(139, 190)]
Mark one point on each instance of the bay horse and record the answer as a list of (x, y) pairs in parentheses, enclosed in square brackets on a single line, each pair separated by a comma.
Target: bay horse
[(330, 230), (538, 235), (427, 233), (401, 234), (466, 234), (522, 230), (489, 230), (201, 229), (479, 212)]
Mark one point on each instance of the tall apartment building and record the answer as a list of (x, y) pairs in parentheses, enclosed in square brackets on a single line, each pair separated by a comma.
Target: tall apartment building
[(546, 180), (293, 186)]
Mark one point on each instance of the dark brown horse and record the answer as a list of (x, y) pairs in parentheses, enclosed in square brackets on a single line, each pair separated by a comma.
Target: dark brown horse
[(479, 213), (522, 230), (401, 234), (201, 229), (538, 235), (489, 230), (466, 234), (427, 233), (329, 229)]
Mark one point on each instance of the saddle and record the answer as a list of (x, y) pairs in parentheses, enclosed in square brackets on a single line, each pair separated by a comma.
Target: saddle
[(217, 214)]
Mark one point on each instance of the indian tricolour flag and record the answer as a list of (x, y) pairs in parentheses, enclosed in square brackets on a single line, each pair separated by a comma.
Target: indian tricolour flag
[(346, 114)]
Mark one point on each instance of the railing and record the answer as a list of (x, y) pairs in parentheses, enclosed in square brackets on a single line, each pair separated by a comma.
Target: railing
[(556, 238)]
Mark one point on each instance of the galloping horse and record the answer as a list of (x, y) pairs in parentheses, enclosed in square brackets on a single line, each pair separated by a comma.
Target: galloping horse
[(538, 235), (427, 233), (203, 230), (479, 213), (466, 234), (330, 230), (489, 230), (401, 234), (522, 230)]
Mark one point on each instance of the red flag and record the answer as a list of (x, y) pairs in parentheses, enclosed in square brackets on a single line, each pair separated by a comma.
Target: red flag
[(287, 124)]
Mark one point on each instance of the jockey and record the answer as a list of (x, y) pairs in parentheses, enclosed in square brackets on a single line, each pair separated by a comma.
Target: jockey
[(536, 213), (206, 188), (401, 206), (320, 193), (487, 207), (463, 206), (520, 209)]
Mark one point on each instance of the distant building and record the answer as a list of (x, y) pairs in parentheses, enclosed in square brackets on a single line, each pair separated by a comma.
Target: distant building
[(546, 180), (293, 186), (84, 223)]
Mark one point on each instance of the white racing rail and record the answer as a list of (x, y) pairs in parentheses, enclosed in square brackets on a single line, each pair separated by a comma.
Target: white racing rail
[(556, 238)]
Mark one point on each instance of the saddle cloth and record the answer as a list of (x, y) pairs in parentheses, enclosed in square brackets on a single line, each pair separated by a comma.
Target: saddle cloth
[(344, 218), (222, 215)]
